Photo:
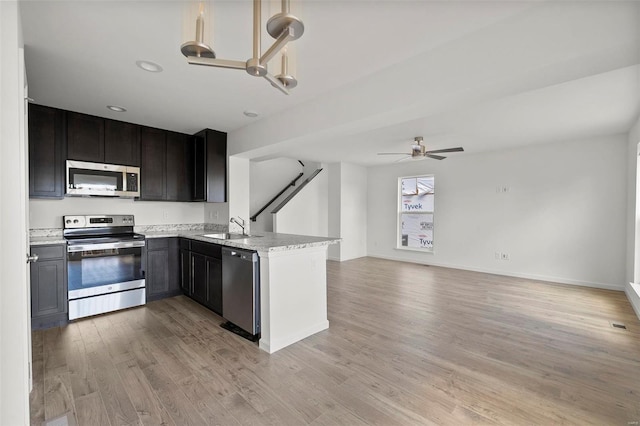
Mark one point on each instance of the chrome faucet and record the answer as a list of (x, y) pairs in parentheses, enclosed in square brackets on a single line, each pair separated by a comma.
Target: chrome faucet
[(241, 225)]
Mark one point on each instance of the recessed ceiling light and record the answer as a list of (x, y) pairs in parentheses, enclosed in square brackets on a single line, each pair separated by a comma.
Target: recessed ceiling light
[(251, 114), (116, 108), (149, 66)]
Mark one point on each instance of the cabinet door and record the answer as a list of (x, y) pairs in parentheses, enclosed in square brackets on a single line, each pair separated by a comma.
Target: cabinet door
[(214, 285), (216, 166), (179, 167), (85, 137), (157, 277), (199, 277), (46, 152), (121, 143), (153, 164), (200, 166), (48, 288), (185, 271)]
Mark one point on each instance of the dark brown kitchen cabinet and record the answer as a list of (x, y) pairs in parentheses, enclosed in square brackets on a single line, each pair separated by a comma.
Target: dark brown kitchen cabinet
[(49, 306), (121, 143), (179, 167), (201, 265), (47, 152), (162, 269), (153, 164), (166, 171), (210, 166), (101, 140), (85, 137)]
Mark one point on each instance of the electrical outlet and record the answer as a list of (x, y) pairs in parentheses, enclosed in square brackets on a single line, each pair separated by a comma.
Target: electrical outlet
[(498, 255), (505, 256), (217, 215), (165, 214)]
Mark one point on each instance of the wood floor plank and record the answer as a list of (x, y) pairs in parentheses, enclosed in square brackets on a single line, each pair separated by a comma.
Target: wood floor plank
[(91, 410), (149, 408), (407, 344), (181, 410), (116, 400), (58, 398)]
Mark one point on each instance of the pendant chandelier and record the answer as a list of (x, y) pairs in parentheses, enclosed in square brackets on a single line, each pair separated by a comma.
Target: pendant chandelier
[(283, 27)]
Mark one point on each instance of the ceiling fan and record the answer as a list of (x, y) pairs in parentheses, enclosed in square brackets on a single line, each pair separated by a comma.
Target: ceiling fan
[(419, 150)]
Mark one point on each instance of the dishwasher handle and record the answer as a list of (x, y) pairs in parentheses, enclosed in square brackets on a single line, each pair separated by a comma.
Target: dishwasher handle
[(240, 254)]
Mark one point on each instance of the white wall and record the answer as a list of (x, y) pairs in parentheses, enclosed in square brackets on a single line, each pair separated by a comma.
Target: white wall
[(48, 213), (307, 212), (14, 291), (216, 213), (348, 210), (333, 205), (267, 179), (633, 210), (563, 219), (238, 195)]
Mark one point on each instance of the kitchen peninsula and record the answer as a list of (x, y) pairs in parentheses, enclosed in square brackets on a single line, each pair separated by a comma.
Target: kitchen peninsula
[(293, 282)]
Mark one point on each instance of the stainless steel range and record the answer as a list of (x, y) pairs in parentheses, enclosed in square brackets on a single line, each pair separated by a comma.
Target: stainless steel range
[(104, 264)]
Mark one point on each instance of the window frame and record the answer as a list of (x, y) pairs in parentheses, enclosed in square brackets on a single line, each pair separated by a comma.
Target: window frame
[(400, 212)]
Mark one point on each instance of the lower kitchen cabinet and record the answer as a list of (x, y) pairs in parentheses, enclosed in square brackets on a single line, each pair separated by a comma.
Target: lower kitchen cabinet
[(162, 268), (49, 302), (201, 273)]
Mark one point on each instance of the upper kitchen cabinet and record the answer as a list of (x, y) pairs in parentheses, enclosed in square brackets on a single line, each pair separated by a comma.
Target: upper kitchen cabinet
[(166, 172), (179, 167), (153, 167), (47, 152), (121, 143), (210, 164), (100, 140), (85, 137)]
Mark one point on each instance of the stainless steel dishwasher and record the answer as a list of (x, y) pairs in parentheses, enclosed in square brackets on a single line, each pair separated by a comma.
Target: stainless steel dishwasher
[(241, 292)]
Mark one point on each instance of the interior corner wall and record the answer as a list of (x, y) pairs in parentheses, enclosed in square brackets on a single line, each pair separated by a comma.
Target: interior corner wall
[(306, 213), (238, 191), (14, 297), (334, 207), (353, 211), (633, 213), (563, 218), (267, 179)]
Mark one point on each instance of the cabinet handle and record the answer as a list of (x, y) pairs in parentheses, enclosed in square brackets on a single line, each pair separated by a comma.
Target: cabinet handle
[(32, 258)]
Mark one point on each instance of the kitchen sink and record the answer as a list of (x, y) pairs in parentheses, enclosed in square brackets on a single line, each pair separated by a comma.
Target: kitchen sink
[(230, 236)]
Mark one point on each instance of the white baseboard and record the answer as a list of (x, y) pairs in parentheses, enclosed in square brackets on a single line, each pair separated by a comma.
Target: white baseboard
[(271, 347), (604, 286), (633, 294)]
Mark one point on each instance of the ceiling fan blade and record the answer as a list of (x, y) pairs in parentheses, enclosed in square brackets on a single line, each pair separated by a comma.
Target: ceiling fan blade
[(436, 151), (393, 153), (435, 157)]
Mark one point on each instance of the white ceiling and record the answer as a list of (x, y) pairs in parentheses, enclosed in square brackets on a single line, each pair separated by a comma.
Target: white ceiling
[(372, 74)]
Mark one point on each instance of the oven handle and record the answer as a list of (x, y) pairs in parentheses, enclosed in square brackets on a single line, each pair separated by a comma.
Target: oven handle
[(104, 246)]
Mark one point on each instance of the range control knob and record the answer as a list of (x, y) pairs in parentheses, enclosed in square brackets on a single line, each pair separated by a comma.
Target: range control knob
[(68, 221), (75, 220)]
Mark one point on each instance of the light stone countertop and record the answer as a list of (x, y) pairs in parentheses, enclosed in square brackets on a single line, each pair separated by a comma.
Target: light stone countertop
[(261, 241)]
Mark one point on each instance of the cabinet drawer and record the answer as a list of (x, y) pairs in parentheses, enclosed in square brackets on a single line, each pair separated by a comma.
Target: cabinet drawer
[(212, 250), (157, 243), (49, 252)]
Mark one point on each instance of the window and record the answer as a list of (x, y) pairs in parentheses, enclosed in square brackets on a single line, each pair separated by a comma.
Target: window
[(415, 212)]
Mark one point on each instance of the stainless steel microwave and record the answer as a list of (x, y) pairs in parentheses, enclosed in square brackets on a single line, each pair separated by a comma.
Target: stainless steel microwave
[(107, 180)]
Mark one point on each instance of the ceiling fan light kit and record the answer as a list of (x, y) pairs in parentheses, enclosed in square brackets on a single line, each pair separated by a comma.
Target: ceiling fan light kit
[(283, 27), (418, 150)]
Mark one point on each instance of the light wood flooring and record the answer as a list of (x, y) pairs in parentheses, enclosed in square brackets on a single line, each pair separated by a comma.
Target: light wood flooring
[(407, 345)]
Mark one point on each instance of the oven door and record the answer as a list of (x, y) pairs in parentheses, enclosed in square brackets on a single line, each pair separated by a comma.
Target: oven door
[(95, 269)]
